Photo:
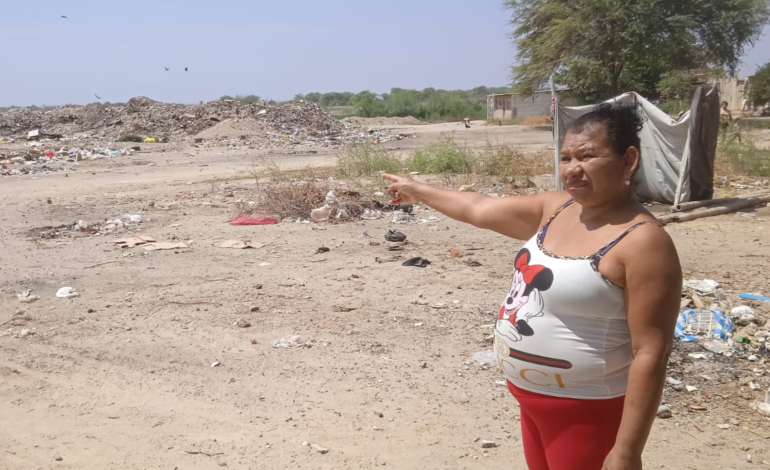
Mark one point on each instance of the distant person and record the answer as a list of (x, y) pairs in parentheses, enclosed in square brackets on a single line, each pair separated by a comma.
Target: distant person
[(736, 130), (584, 334), (725, 118), (467, 123)]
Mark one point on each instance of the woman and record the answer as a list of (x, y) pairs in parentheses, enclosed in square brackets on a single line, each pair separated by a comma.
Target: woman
[(585, 332)]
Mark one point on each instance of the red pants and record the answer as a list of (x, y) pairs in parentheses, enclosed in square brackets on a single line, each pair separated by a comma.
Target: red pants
[(567, 433)]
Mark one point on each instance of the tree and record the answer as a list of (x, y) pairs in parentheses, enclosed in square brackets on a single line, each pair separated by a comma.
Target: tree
[(759, 86), (675, 85), (597, 46)]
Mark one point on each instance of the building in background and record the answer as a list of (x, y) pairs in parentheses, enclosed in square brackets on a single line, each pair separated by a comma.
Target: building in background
[(511, 105)]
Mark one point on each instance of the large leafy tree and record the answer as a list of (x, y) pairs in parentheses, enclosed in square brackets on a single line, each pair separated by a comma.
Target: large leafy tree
[(759, 87), (597, 47)]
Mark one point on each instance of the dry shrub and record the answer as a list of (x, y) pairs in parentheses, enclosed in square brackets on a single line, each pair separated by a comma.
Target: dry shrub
[(544, 120)]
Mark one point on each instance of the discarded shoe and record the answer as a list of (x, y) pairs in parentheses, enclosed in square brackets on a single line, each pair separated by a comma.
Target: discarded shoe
[(394, 236), (416, 262)]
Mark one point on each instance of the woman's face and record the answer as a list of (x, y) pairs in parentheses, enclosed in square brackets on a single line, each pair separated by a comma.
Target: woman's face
[(589, 169)]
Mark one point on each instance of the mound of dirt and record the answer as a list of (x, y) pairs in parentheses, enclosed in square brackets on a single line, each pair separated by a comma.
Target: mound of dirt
[(383, 121)]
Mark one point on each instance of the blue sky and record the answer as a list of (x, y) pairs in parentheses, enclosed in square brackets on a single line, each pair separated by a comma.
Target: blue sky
[(274, 49)]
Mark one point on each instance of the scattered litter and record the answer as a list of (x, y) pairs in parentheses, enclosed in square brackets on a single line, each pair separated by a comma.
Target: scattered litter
[(371, 214), (485, 358), (321, 450), (27, 297), (240, 244), (24, 333), (664, 412), (754, 297), (691, 388), (706, 286), (378, 414), (241, 323), (243, 220), (753, 358), (454, 253), (402, 218), (156, 246), (472, 263), (488, 444), (697, 356), (291, 341), (673, 381), (395, 236), (712, 323), (264, 263), (133, 241), (321, 214), (66, 293), (216, 364), (416, 262), (698, 408)]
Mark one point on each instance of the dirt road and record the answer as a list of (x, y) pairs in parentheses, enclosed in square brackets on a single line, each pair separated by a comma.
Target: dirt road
[(147, 368)]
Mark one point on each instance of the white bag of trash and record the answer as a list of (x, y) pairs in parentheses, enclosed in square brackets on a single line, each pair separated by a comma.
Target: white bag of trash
[(321, 214), (66, 293), (291, 341), (706, 286), (331, 198)]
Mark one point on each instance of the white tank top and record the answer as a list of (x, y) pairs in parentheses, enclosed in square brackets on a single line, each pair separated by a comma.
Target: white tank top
[(562, 328)]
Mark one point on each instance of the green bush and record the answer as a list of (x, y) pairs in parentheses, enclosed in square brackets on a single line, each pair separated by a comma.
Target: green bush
[(358, 160), (130, 138), (674, 107), (743, 158), (445, 156)]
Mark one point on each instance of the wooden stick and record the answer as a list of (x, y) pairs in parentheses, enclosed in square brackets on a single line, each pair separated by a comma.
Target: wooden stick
[(196, 452), (101, 264), (698, 438), (726, 209), (686, 206)]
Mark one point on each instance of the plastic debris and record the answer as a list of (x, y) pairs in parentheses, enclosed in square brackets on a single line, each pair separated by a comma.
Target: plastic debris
[(706, 286), (291, 341), (754, 297), (712, 323), (485, 358), (321, 214), (243, 220), (394, 236), (239, 244), (27, 297), (67, 293), (416, 262)]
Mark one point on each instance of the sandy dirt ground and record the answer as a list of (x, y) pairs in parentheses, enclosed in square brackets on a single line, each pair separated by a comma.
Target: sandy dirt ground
[(121, 377)]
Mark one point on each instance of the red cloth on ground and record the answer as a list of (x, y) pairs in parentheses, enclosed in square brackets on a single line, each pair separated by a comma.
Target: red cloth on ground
[(243, 220), (567, 433)]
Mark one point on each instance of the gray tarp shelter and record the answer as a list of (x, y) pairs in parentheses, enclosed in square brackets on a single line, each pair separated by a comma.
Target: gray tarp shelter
[(677, 155)]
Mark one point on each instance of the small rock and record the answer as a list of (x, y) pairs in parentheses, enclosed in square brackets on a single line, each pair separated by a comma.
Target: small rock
[(241, 323), (673, 381), (735, 422), (488, 444), (58, 458), (25, 332), (379, 414), (717, 443), (305, 444), (745, 448), (664, 412), (677, 388), (723, 426), (423, 364), (254, 309), (319, 449), (232, 380)]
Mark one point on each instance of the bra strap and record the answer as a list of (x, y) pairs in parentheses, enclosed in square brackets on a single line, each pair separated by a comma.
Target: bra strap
[(541, 235), (600, 254)]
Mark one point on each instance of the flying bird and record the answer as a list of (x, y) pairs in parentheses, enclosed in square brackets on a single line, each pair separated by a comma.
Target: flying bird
[(97, 96), (185, 69), (167, 69), (64, 17)]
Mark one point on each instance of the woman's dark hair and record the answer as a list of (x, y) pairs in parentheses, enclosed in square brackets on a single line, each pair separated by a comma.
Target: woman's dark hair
[(621, 122)]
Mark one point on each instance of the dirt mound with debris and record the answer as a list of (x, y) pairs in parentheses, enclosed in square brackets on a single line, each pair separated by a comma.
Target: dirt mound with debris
[(146, 117), (383, 121)]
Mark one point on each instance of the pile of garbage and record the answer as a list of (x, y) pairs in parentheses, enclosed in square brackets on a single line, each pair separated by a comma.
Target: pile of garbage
[(723, 346), (34, 159), (292, 123), (127, 222)]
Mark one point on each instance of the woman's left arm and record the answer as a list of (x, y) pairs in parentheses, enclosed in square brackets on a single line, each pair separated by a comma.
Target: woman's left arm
[(653, 293)]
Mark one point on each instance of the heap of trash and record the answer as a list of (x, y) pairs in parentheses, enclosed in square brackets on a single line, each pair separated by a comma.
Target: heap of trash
[(36, 159), (722, 349), (298, 122)]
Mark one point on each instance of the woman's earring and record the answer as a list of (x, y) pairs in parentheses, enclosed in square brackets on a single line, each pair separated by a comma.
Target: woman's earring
[(628, 182)]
